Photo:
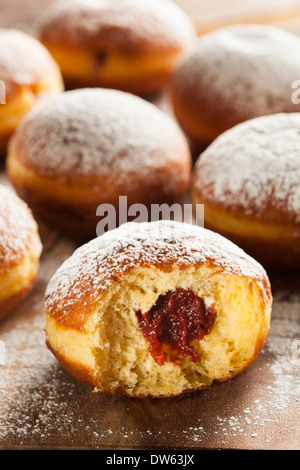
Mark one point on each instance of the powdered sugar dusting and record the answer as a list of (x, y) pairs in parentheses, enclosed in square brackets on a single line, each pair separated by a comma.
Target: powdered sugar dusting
[(246, 70), (17, 228), (94, 266), (255, 166), (41, 406), (23, 59), (159, 23), (94, 132)]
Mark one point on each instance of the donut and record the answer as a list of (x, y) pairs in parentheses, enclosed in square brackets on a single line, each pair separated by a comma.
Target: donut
[(28, 74), (88, 147), (129, 45), (248, 181), (157, 309), (20, 249), (234, 74)]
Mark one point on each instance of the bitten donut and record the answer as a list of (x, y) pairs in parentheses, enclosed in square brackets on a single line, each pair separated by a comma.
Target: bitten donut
[(234, 74), (130, 45), (248, 180), (157, 309), (20, 249), (89, 147), (28, 74)]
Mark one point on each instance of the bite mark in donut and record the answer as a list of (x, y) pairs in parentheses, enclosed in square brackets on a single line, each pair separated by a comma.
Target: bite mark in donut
[(248, 181), (93, 299), (177, 318)]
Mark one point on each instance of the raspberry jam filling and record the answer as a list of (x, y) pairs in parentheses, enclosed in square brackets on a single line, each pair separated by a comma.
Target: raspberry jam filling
[(178, 318)]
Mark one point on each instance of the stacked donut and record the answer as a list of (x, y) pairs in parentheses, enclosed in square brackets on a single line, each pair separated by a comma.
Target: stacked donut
[(161, 307)]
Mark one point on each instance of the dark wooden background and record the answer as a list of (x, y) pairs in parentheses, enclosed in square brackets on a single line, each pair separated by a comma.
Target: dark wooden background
[(43, 407)]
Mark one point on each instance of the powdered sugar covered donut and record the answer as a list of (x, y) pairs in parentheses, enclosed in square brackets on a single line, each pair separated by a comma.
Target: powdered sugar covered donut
[(20, 249), (28, 74), (234, 74), (248, 180), (125, 44), (90, 146), (157, 309)]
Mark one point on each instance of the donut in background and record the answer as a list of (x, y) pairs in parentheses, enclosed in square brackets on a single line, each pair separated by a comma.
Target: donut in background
[(88, 147), (20, 249), (157, 309), (29, 75), (248, 180), (234, 74), (125, 44)]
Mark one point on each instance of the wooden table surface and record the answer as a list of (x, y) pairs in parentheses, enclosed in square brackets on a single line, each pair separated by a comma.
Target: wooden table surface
[(43, 407)]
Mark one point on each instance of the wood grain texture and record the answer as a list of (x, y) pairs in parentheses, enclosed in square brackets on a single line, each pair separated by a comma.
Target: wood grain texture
[(43, 407)]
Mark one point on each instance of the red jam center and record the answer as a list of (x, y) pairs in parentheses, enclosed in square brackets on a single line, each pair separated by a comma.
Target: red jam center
[(177, 319)]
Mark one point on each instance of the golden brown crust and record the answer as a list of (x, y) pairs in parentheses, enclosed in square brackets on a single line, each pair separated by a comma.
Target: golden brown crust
[(223, 80), (18, 230), (276, 246), (4, 139), (201, 123), (79, 220), (86, 287)]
